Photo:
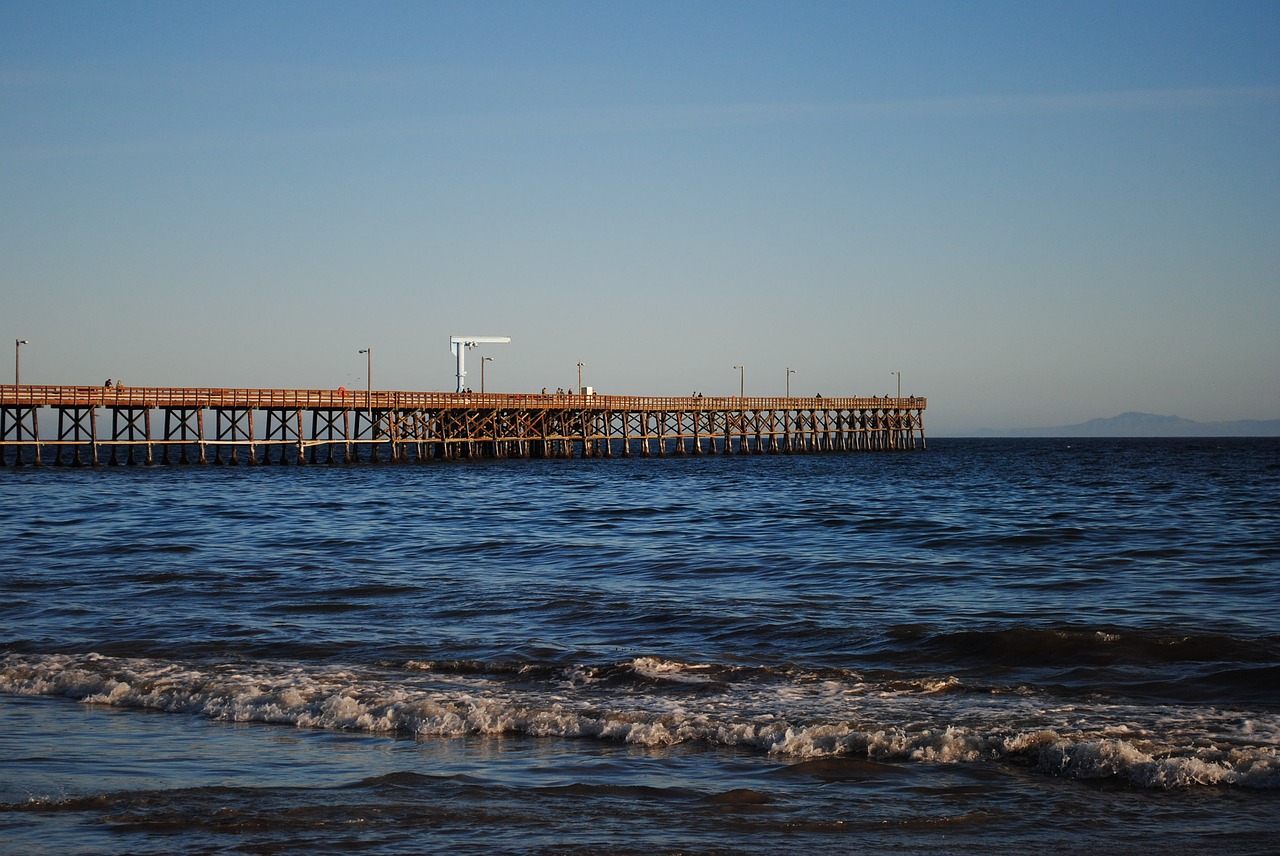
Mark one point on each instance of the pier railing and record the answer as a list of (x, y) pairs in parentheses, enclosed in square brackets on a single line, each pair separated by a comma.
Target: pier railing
[(340, 398)]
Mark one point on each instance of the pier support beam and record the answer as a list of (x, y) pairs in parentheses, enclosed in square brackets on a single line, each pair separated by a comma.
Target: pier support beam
[(19, 429)]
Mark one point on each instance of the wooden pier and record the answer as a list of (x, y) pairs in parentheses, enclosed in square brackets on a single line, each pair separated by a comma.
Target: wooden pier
[(94, 425)]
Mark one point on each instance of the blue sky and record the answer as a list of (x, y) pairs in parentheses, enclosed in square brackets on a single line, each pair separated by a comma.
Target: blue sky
[(1039, 213)]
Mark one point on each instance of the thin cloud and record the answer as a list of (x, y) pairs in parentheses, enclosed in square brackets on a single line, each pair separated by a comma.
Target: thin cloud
[(588, 121), (1131, 100), (1093, 102)]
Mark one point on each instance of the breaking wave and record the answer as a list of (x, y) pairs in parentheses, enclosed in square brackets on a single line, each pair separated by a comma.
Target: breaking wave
[(789, 713)]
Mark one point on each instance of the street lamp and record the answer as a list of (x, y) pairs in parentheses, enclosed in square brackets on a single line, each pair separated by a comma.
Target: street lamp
[(482, 362), (17, 360), (580, 378), (790, 372), (742, 380), (899, 374), (368, 379)]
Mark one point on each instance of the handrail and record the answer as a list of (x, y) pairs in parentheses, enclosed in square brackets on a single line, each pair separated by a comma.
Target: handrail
[(35, 395)]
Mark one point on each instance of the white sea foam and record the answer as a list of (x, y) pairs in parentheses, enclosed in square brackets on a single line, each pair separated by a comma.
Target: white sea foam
[(669, 670), (1170, 748), (1106, 759)]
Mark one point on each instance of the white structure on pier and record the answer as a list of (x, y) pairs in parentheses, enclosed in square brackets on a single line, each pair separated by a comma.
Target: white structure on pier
[(459, 345)]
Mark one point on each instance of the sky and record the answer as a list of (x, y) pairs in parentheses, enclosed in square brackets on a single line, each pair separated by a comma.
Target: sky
[(1039, 213)]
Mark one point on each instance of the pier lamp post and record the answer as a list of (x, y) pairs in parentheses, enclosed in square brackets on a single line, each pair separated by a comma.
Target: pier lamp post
[(368, 380), (742, 380), (790, 372), (580, 378), (899, 374), (17, 360), (482, 362)]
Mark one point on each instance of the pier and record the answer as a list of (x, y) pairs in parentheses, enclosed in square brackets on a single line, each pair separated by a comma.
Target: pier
[(95, 425)]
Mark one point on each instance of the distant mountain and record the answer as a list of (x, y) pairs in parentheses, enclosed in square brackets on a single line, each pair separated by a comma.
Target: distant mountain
[(1151, 425)]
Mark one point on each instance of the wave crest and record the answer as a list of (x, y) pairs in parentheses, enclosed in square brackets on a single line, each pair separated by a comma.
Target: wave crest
[(927, 721)]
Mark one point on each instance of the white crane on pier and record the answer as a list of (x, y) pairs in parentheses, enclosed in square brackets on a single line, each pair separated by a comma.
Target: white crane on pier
[(459, 345)]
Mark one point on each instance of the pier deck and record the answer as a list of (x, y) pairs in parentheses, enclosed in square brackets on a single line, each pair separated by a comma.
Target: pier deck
[(85, 424)]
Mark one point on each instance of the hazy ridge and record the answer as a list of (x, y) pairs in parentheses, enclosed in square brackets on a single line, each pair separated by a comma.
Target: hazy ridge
[(1135, 424)]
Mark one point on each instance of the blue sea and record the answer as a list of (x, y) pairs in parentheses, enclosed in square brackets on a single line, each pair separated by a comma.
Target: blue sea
[(992, 646)]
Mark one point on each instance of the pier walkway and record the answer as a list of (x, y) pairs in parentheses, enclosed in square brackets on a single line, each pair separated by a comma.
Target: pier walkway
[(92, 425)]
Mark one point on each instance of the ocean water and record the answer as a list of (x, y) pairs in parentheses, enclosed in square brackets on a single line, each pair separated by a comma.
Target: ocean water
[(994, 646)]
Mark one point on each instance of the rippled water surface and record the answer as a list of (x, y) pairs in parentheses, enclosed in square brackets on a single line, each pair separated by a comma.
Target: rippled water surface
[(1009, 646)]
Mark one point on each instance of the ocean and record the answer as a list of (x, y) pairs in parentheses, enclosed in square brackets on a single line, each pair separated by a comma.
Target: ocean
[(993, 646)]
